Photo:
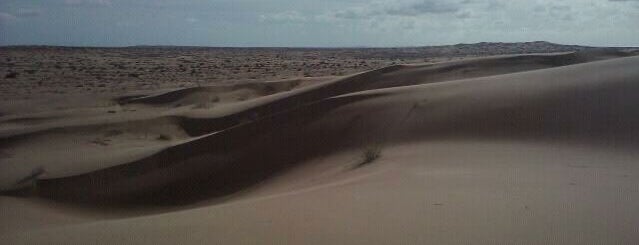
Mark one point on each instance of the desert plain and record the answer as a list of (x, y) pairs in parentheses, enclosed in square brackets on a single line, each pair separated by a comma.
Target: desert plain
[(487, 143)]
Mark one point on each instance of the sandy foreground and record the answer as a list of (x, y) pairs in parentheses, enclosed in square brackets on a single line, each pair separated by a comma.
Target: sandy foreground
[(523, 149)]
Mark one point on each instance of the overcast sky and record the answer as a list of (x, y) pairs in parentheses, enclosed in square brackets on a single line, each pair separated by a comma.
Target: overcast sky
[(325, 23)]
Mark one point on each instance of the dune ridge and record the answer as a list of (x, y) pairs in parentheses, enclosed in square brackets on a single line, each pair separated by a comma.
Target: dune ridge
[(281, 113)]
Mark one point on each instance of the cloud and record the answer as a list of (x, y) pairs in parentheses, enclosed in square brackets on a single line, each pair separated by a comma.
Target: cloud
[(28, 12), (401, 9), (6, 17), (19, 14), (634, 2), (354, 13), (424, 7), (464, 15), (287, 16), (88, 2)]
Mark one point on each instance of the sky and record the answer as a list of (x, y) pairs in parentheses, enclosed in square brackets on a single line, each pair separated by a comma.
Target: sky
[(316, 23)]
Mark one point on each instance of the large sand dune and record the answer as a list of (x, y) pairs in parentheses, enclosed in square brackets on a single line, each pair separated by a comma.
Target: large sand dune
[(526, 149)]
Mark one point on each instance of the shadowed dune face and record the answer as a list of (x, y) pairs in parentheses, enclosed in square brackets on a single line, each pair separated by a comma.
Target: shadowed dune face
[(213, 166), (565, 105)]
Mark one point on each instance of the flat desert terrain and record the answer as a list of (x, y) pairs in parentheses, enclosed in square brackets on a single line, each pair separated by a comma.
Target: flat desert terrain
[(489, 143)]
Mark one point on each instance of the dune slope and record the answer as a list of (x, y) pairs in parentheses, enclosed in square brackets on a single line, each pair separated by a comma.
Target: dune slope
[(525, 150)]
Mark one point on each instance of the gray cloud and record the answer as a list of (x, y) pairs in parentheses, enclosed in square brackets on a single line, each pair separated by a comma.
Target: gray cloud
[(288, 16), (464, 15), (88, 2), (425, 7), (19, 14), (352, 14), (28, 12), (401, 8), (6, 17), (635, 3)]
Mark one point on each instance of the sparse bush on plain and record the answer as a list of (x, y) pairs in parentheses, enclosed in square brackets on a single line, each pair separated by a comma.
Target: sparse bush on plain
[(369, 155), (11, 75), (164, 137)]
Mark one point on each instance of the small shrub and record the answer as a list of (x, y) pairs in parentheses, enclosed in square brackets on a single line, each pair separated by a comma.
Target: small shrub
[(11, 75), (112, 133), (203, 105), (270, 89), (32, 178), (164, 137), (369, 155), (101, 142)]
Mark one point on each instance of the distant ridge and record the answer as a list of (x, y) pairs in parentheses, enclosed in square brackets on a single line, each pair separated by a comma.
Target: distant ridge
[(497, 48), (455, 50)]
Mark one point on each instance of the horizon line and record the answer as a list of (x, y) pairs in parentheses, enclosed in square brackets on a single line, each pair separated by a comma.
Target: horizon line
[(295, 47)]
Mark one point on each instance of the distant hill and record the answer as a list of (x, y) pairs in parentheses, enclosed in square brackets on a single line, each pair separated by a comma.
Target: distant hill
[(485, 48), (474, 49)]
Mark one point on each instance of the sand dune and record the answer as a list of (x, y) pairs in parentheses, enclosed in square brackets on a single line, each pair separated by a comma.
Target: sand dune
[(527, 149)]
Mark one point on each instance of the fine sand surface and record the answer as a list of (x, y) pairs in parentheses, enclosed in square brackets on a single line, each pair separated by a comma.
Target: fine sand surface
[(521, 149)]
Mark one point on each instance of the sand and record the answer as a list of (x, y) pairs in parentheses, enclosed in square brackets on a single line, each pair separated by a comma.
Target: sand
[(517, 149)]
